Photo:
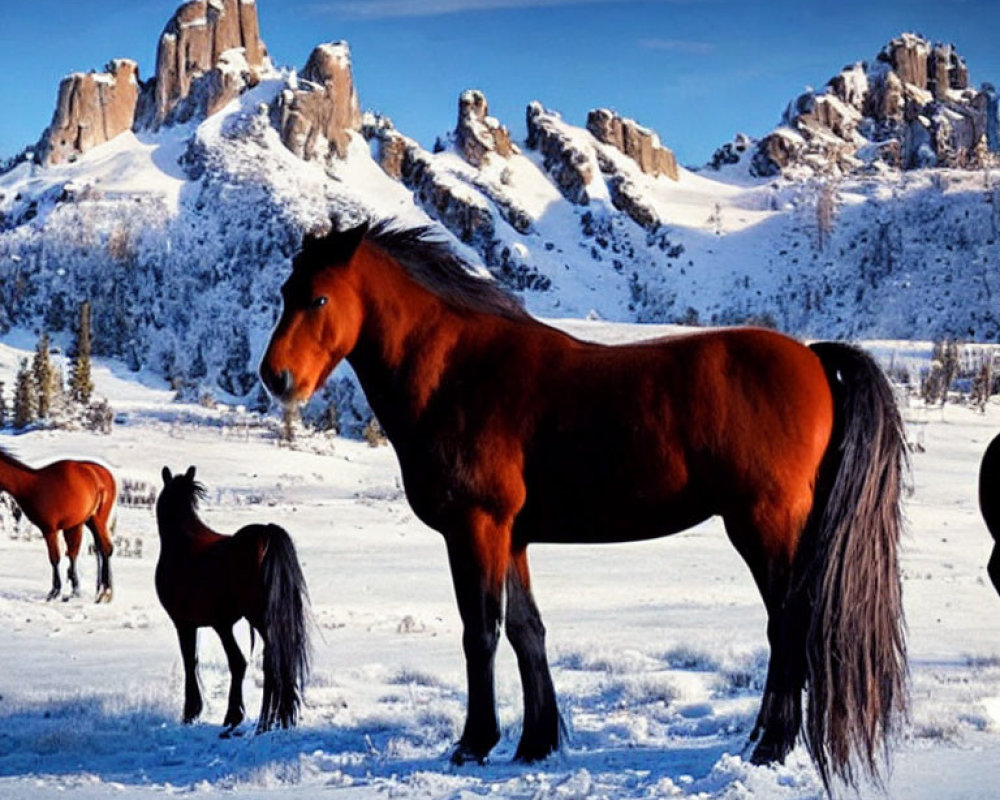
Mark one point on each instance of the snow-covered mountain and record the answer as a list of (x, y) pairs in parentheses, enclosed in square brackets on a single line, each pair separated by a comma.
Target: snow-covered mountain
[(176, 204)]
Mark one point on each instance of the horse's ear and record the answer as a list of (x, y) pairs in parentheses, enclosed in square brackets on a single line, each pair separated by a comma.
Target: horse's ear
[(190, 473), (325, 246), (347, 242), (167, 475)]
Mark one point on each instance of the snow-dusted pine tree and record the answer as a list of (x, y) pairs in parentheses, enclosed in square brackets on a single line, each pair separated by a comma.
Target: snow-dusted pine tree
[(81, 385), (25, 409), (41, 370)]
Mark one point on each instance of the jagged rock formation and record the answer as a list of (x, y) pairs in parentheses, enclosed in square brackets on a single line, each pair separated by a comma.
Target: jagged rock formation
[(465, 213), (570, 166), (193, 44), (392, 148), (91, 109), (477, 133), (640, 144), (209, 53), (315, 116), (912, 107)]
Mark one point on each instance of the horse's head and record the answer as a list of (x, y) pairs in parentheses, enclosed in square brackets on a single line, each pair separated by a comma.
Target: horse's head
[(180, 494), (320, 318)]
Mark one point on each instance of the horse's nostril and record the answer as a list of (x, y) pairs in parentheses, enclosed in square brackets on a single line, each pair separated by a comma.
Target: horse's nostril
[(278, 383)]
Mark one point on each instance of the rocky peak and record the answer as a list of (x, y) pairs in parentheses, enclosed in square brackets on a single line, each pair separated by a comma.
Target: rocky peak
[(911, 107), (315, 113), (91, 108), (477, 133), (567, 162), (640, 144), (194, 43), (936, 68)]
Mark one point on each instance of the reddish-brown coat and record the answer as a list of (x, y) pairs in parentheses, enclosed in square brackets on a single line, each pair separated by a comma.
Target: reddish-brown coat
[(64, 496)]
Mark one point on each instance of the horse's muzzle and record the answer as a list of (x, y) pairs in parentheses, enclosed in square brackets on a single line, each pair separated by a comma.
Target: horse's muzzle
[(280, 384)]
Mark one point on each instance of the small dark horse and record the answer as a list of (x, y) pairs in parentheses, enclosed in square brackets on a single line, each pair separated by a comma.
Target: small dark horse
[(64, 496), (510, 432), (989, 504), (205, 579)]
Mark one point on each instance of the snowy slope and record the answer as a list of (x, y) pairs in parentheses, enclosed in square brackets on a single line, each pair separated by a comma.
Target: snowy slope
[(182, 237), (658, 648)]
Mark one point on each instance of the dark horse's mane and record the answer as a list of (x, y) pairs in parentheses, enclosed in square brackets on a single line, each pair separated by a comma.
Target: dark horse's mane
[(433, 263)]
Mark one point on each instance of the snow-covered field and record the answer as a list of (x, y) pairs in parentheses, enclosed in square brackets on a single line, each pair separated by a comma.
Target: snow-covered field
[(658, 649)]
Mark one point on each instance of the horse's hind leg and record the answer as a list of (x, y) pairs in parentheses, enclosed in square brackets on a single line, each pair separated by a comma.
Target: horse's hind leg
[(103, 547), (478, 558), (768, 549), (540, 734), (237, 669), (188, 638), (52, 544), (74, 538)]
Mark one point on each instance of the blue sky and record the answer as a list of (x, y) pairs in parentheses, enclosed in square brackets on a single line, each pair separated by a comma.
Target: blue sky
[(697, 71)]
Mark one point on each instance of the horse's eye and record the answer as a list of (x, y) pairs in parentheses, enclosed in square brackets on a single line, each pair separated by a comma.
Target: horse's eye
[(318, 302)]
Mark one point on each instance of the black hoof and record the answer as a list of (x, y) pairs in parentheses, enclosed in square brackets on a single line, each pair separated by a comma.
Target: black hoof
[(463, 754), (232, 721), (230, 731), (532, 754)]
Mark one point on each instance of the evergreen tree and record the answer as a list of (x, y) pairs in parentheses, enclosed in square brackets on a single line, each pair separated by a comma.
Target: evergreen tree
[(24, 397), (81, 386), (57, 390), (41, 370), (373, 433), (3, 406)]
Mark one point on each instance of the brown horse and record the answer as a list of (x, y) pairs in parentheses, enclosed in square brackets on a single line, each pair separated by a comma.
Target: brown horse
[(510, 432), (205, 579), (989, 504), (65, 496)]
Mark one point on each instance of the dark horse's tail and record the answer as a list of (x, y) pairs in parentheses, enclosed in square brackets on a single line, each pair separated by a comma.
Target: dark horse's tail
[(989, 503), (285, 631), (848, 583)]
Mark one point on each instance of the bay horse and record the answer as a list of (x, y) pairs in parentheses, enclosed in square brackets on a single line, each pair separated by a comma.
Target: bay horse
[(66, 496), (989, 504), (206, 579), (509, 432)]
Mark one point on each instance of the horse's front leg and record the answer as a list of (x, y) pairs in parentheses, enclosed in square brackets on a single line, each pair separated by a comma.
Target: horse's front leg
[(478, 557), (188, 638)]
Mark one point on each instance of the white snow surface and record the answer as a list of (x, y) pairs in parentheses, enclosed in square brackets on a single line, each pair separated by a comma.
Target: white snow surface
[(658, 648)]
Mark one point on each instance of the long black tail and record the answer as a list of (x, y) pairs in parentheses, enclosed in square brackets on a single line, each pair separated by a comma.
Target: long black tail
[(989, 504), (848, 575), (286, 633)]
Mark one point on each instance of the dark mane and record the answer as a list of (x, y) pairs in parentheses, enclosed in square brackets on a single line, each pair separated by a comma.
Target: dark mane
[(431, 261)]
